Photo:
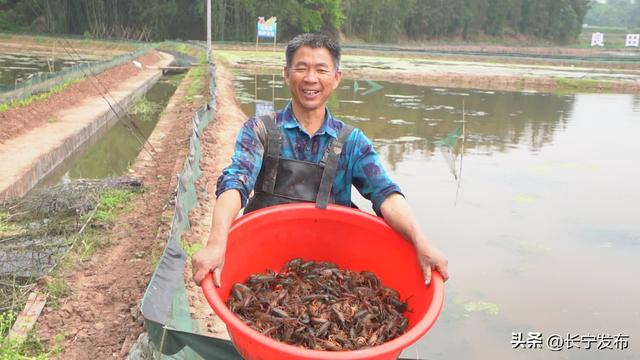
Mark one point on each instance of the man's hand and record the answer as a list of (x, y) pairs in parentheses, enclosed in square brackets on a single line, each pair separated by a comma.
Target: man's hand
[(432, 258), (209, 259), (398, 215)]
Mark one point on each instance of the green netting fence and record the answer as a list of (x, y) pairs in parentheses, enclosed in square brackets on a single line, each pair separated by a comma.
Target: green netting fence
[(43, 81), (171, 332)]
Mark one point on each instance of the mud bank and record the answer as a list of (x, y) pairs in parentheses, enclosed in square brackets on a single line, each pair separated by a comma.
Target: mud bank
[(479, 82)]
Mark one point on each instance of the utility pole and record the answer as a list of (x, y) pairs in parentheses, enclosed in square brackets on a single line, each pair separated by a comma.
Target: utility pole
[(208, 29)]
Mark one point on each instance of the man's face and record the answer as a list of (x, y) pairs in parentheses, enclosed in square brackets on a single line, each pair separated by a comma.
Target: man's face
[(311, 78)]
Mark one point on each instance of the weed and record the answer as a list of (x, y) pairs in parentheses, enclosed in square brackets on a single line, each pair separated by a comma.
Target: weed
[(197, 82), (143, 106), (190, 249), (58, 288), (38, 97), (572, 85), (110, 202), (32, 348), (7, 228)]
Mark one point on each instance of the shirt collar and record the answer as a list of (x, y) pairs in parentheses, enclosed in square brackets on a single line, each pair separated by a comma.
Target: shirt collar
[(329, 126)]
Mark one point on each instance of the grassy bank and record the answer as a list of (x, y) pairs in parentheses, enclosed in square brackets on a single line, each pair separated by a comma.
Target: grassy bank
[(82, 233)]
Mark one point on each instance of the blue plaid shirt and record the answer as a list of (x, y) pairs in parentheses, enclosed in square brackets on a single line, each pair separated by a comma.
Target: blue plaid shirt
[(358, 165)]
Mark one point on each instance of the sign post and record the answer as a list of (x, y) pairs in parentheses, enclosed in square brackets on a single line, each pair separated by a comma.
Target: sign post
[(266, 29)]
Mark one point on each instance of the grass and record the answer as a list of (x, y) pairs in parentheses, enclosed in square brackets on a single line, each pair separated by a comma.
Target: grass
[(566, 86), (31, 348), (190, 249), (7, 228), (110, 202), (198, 76), (38, 97), (82, 246), (58, 288), (197, 82)]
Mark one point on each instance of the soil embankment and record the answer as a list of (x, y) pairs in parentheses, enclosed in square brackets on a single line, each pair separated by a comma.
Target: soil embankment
[(469, 80), (101, 319), (485, 72), (52, 46), (21, 119), (218, 146)]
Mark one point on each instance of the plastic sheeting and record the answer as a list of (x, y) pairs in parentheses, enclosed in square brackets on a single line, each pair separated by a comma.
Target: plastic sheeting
[(165, 305)]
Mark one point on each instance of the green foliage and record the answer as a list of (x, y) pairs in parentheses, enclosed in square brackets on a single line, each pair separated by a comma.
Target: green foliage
[(615, 13), (198, 77), (32, 348), (110, 202), (190, 249), (369, 20), (37, 97), (58, 288), (142, 106)]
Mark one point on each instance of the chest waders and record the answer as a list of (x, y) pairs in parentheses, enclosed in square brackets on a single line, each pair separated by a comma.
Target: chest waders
[(283, 181)]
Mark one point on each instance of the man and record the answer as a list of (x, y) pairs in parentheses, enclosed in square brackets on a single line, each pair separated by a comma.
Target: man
[(302, 153)]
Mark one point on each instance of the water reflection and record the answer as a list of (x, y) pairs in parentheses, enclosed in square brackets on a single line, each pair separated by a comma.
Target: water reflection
[(536, 204), (403, 119)]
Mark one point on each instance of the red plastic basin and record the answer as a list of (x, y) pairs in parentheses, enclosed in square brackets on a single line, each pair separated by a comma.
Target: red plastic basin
[(352, 239)]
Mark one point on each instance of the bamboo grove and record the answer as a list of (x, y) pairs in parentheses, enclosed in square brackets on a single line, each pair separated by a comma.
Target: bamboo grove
[(366, 20)]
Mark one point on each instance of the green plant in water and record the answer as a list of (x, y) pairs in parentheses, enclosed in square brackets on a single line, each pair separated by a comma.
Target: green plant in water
[(143, 106)]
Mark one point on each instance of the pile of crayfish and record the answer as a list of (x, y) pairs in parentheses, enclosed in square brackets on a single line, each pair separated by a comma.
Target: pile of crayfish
[(318, 306)]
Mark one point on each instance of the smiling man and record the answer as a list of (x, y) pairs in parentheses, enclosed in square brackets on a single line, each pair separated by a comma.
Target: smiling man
[(303, 154)]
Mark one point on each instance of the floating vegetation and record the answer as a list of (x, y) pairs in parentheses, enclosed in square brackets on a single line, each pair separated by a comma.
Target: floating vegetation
[(145, 107), (400, 122), (482, 306), (353, 118)]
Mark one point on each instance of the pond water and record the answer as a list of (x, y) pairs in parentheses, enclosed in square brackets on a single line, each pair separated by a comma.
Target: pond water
[(19, 66), (114, 150), (534, 198)]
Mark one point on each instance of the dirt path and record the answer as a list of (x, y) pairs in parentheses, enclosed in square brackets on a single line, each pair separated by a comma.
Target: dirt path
[(218, 146), (101, 319)]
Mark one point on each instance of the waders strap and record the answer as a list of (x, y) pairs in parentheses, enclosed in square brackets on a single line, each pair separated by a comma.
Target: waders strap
[(330, 167), (272, 156)]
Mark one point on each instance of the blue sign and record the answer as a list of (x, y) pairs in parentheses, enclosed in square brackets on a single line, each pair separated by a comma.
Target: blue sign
[(268, 28)]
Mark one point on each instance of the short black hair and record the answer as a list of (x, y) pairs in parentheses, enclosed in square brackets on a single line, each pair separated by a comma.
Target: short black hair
[(315, 41)]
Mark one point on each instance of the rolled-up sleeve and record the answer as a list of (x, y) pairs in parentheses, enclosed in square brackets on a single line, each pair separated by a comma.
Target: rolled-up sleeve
[(245, 165), (369, 175)]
